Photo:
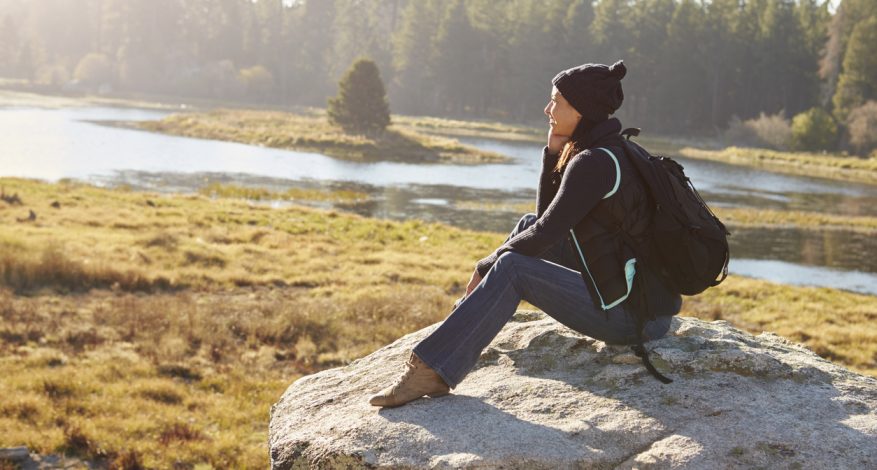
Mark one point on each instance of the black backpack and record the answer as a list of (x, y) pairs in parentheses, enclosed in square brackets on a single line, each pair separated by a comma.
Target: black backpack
[(687, 245)]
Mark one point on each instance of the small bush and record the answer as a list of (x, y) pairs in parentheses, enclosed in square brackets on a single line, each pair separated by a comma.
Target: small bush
[(81, 443), (814, 129), (127, 460), (58, 389), (179, 432), (52, 75), (862, 126), (178, 370), (161, 393), (94, 69), (770, 131), (258, 81)]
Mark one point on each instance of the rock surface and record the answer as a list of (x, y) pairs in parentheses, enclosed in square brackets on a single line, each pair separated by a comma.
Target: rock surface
[(545, 396)]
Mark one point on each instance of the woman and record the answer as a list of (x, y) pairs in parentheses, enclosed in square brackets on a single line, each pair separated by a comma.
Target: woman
[(568, 258)]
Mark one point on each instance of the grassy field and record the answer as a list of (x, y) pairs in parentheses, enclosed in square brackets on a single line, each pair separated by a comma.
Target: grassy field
[(155, 330), (312, 133)]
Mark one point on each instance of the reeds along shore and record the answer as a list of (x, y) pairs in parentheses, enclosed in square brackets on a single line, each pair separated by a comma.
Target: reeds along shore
[(312, 132), (138, 327)]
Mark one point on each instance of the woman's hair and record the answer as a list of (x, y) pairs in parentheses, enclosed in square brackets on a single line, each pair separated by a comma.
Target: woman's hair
[(567, 151), (575, 142)]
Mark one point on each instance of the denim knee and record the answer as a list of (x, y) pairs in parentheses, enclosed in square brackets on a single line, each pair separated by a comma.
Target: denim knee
[(505, 260), (526, 220)]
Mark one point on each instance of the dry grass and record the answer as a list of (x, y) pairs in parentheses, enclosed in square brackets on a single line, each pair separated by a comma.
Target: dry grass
[(240, 300), (747, 217), (481, 129), (312, 133), (732, 217), (292, 194), (833, 166), (234, 302)]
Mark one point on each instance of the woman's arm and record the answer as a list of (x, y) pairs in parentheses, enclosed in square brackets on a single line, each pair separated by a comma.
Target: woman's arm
[(586, 179), (549, 181)]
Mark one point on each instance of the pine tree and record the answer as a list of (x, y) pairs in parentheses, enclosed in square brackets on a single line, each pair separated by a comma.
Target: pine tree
[(361, 104), (9, 46), (412, 46), (456, 58), (858, 81)]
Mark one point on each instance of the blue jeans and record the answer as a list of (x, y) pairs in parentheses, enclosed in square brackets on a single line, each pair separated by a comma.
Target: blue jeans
[(552, 283)]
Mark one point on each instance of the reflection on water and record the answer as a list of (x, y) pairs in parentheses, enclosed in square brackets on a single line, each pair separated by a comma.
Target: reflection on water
[(54, 144), (831, 248)]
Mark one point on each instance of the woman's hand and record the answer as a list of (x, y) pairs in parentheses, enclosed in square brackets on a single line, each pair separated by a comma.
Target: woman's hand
[(556, 141), (473, 283)]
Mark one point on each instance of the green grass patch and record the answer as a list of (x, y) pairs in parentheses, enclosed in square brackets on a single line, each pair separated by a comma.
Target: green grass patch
[(730, 216), (471, 128), (769, 218), (313, 133), (292, 194)]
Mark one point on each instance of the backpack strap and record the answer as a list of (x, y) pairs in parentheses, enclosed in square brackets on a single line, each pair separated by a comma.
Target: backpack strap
[(639, 348), (617, 171)]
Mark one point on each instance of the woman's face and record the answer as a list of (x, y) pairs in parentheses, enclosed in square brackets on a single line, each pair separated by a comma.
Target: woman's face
[(562, 117)]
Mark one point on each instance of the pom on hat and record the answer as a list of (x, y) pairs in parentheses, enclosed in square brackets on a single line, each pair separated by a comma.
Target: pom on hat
[(618, 70)]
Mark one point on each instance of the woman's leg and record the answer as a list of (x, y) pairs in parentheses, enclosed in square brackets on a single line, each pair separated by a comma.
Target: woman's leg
[(561, 253), (455, 346)]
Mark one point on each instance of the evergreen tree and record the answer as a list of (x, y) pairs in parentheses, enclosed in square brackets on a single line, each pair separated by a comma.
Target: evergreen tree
[(648, 38), (848, 14), (814, 129), (412, 51), (361, 104), (683, 96), (610, 30), (456, 58), (312, 34), (858, 81), (9, 46), (788, 76)]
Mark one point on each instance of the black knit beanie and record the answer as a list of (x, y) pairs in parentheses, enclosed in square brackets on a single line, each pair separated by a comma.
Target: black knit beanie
[(594, 90)]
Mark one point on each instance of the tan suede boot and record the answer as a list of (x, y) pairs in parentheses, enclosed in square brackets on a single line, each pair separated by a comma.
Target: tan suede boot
[(418, 380)]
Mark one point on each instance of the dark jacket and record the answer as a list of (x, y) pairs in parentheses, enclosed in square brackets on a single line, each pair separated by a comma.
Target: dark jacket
[(588, 205)]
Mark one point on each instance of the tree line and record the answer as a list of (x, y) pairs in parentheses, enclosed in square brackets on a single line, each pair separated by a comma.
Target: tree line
[(694, 65)]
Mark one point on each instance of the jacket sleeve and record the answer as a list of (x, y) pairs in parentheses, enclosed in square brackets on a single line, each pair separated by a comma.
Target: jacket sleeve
[(549, 181), (587, 178)]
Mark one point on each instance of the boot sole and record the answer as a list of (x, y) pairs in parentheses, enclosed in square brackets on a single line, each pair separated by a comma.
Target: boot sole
[(438, 394)]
